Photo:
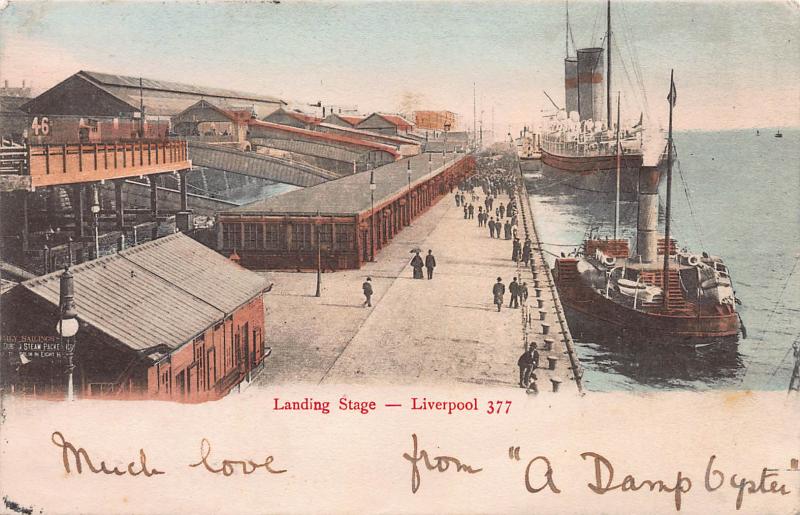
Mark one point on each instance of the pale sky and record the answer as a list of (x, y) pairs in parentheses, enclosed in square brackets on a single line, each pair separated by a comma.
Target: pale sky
[(737, 64)]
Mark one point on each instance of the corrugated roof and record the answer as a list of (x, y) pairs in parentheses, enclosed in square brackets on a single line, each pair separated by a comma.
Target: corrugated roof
[(324, 136), (125, 81), (349, 195), (166, 291), (389, 139)]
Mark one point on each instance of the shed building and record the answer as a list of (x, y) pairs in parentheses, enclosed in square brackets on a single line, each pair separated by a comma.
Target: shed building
[(338, 224), (386, 124), (169, 319)]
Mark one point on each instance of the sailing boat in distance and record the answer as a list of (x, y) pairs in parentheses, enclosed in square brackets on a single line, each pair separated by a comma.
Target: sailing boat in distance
[(779, 134)]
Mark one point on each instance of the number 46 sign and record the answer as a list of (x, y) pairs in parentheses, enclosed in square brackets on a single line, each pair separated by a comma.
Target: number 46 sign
[(40, 127)]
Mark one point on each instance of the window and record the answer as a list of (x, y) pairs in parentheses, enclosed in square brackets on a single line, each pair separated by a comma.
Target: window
[(345, 236), (326, 234), (275, 236), (231, 236), (253, 236), (301, 236)]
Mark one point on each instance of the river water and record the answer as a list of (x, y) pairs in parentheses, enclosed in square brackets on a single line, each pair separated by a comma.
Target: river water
[(744, 205)]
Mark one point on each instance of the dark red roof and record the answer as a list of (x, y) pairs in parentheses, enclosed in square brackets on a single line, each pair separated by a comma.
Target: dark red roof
[(325, 136), (398, 121)]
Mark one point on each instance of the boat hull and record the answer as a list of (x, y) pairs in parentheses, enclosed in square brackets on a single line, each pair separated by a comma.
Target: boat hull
[(675, 326), (594, 173)]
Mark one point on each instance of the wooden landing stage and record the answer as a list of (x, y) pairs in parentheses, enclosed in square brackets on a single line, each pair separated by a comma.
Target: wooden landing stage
[(418, 332)]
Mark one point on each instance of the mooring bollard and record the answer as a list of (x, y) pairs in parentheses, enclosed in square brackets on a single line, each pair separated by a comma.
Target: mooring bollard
[(538, 292), (556, 383), (535, 283), (545, 328), (551, 363), (548, 344), (540, 303), (542, 314)]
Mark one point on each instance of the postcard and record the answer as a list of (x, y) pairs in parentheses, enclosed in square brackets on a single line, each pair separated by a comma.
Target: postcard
[(399, 257)]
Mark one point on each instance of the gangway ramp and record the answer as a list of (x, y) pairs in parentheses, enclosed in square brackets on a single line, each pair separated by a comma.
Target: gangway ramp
[(257, 165)]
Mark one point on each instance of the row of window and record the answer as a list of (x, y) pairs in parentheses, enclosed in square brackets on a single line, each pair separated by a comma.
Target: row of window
[(257, 236)]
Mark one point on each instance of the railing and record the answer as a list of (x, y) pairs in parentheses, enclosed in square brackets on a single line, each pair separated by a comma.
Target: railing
[(61, 164), (13, 161)]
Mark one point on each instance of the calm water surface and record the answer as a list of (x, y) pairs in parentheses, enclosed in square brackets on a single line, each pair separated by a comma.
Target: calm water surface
[(745, 206)]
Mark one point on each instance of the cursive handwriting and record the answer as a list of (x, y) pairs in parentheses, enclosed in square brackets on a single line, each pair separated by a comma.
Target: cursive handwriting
[(81, 456), (629, 483), (742, 484), (548, 475), (229, 466), (440, 463)]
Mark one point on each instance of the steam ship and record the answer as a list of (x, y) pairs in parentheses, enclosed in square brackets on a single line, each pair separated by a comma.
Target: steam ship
[(579, 141), (659, 292)]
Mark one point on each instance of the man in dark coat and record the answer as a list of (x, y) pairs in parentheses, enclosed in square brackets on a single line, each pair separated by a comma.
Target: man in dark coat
[(471, 209), (430, 264), (498, 291), (502, 210), (416, 263), (514, 289), (515, 251), (528, 362), (466, 211), (507, 229), (526, 251), (523, 292), (491, 227), (458, 199), (367, 287)]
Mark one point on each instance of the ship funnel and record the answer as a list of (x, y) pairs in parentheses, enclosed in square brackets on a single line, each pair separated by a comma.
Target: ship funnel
[(591, 87), (647, 221), (571, 84)]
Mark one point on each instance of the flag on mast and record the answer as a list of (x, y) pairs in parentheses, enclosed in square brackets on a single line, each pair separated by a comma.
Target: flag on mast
[(673, 95)]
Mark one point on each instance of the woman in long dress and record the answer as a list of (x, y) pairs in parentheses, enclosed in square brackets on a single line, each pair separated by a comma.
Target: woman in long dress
[(417, 264)]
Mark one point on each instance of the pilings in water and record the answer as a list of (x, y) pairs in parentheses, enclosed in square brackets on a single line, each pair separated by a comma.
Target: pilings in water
[(543, 321)]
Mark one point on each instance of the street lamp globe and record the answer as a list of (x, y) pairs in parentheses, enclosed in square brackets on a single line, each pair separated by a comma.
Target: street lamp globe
[(68, 328)]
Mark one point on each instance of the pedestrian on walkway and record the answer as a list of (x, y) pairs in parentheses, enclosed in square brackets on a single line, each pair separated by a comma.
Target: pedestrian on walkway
[(523, 292), (430, 264), (498, 291), (516, 250), (458, 200), (528, 362), (367, 287), (416, 263), (491, 227), (526, 251), (513, 288), (502, 210), (471, 209), (507, 230)]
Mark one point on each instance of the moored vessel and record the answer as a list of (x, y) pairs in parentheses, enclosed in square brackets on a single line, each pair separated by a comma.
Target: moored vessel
[(656, 292)]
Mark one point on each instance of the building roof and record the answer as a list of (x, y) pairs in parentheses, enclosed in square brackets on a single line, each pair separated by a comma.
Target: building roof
[(386, 138), (349, 195), (393, 119), (167, 291), (324, 136), (162, 97), (234, 115)]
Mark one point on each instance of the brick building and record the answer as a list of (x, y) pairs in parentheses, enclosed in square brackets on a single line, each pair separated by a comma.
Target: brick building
[(169, 319)]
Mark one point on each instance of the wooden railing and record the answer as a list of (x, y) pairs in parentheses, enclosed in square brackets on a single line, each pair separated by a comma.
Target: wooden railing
[(64, 164)]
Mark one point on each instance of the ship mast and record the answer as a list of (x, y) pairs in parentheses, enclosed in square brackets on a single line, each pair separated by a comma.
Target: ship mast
[(608, 57), (672, 96), (566, 34), (619, 165)]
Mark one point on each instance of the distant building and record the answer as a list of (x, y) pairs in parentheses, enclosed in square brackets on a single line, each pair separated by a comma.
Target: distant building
[(333, 152), (436, 120), (343, 120), (203, 121), (293, 119), (405, 146), (343, 223), (94, 106), (170, 319), (386, 124)]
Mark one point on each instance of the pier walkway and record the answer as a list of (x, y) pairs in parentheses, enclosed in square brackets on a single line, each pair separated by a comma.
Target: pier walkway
[(418, 331)]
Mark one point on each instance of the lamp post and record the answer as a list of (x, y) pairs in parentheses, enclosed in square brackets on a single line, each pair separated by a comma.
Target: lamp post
[(408, 208), (372, 187), (319, 255), (67, 325), (96, 214)]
